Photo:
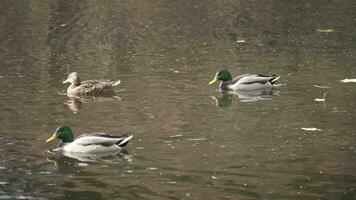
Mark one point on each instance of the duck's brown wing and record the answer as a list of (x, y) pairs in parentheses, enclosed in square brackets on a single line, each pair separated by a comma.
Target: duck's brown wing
[(95, 86)]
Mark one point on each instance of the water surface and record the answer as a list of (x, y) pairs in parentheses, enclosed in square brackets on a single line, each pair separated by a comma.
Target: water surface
[(190, 140)]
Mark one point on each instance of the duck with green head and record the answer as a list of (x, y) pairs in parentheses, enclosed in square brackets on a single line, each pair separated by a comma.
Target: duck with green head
[(88, 143), (244, 81)]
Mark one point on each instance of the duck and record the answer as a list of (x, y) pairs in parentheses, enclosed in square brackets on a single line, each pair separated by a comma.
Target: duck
[(89, 87), (244, 82), (91, 143)]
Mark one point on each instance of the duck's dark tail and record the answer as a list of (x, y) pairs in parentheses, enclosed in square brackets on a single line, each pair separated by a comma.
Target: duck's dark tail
[(125, 140), (274, 79)]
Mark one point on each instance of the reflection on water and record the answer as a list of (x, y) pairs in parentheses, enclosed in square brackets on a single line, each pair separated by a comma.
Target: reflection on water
[(70, 157), (226, 97), (164, 52), (74, 102), (250, 96), (222, 101)]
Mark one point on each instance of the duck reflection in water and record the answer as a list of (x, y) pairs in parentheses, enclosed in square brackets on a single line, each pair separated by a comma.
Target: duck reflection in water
[(66, 160), (225, 99), (74, 102)]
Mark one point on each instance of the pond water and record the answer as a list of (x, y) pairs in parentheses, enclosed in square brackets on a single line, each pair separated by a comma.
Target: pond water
[(190, 141)]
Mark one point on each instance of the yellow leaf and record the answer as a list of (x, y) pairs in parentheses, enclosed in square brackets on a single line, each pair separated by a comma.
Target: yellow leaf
[(325, 30), (349, 80)]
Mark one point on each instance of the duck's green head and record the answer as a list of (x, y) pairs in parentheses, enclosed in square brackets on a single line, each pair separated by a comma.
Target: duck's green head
[(222, 75), (63, 133)]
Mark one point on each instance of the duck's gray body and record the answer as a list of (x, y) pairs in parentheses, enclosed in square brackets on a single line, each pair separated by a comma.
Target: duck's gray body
[(249, 82), (97, 143)]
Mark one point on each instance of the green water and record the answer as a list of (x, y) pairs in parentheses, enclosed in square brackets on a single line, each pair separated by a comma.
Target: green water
[(190, 141)]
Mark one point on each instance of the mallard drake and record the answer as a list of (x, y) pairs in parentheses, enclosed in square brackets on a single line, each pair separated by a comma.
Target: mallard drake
[(244, 81), (88, 143), (89, 87)]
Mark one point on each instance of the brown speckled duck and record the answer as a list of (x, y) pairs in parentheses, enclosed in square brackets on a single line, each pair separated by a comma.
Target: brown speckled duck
[(89, 87)]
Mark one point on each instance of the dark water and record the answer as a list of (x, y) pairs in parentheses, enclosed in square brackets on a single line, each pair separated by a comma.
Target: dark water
[(190, 141)]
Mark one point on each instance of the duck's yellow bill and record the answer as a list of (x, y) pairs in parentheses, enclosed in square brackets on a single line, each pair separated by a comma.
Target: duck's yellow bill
[(53, 137), (213, 81), (66, 81)]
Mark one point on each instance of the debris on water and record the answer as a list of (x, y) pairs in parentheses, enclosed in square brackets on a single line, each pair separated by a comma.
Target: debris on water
[(279, 85), (214, 177), (197, 139), (176, 71), (311, 129), (175, 136), (151, 169), (325, 30), (321, 100), (117, 97), (349, 80), (140, 148), (45, 172), (321, 86), (82, 164), (62, 93), (240, 41)]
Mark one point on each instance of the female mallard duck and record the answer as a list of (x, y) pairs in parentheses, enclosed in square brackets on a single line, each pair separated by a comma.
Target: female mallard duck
[(244, 81), (88, 143), (90, 87)]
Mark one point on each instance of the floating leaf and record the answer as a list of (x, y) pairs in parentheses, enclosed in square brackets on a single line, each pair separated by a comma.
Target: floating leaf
[(279, 85), (319, 99), (321, 86), (347, 80), (175, 136), (323, 99), (197, 139), (240, 41), (325, 30), (311, 129)]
